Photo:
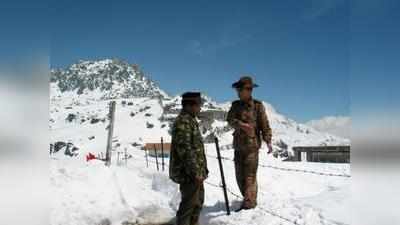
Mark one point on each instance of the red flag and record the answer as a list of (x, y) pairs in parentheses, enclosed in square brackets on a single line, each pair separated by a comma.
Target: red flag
[(90, 156)]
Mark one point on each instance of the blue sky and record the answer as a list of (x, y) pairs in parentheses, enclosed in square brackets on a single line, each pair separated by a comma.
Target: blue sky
[(375, 58), (301, 53), (298, 53)]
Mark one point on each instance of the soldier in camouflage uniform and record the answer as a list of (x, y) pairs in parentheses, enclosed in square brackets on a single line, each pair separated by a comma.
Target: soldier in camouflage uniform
[(188, 165), (248, 118)]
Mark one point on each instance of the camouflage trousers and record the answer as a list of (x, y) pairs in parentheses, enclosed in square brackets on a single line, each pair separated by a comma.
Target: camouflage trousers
[(191, 204), (246, 164)]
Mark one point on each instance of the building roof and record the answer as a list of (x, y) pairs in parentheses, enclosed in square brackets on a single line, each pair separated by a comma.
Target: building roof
[(333, 148), (150, 146)]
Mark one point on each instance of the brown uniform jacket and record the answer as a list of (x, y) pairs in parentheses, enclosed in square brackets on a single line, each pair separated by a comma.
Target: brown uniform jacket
[(252, 112)]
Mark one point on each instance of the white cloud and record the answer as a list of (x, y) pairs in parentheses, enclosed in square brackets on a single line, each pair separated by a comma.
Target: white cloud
[(321, 7), (195, 47), (228, 36), (336, 125)]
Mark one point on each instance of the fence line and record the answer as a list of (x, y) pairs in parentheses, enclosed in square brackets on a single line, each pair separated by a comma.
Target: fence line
[(270, 212), (259, 207), (239, 197), (288, 169)]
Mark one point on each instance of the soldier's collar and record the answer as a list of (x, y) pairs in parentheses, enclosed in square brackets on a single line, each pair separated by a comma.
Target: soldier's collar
[(250, 102), (189, 113)]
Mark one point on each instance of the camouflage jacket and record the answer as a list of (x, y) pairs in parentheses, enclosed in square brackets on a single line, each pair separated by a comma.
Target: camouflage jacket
[(187, 158), (252, 112)]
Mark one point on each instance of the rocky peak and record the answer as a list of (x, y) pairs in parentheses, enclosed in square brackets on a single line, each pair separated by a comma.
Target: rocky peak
[(112, 78)]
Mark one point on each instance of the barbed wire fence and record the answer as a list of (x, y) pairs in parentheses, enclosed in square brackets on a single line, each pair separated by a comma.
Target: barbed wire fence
[(287, 169), (231, 192), (237, 196)]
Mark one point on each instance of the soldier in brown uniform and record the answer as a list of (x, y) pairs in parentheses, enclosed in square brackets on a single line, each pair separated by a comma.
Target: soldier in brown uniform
[(248, 118)]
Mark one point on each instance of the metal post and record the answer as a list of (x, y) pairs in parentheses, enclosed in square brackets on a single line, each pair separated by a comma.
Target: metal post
[(155, 152), (67, 149), (162, 153), (126, 158), (147, 160), (110, 133), (228, 211)]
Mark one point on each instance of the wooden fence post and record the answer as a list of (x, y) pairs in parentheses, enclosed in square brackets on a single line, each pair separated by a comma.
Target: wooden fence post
[(126, 158), (118, 153), (147, 160), (162, 153), (110, 133), (155, 152)]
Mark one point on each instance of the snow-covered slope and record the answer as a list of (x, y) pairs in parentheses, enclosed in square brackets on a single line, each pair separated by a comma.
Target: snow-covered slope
[(87, 193), (79, 97), (337, 125), (105, 79)]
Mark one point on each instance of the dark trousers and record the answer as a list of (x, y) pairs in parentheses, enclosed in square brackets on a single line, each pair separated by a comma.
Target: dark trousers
[(191, 204)]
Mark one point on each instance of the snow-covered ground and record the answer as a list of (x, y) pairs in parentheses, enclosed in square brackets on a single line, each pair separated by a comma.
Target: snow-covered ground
[(89, 193)]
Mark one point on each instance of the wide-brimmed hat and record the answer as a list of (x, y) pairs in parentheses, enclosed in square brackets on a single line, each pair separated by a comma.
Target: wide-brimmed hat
[(244, 80)]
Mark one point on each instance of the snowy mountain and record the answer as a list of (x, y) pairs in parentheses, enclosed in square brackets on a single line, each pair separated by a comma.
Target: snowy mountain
[(337, 125), (111, 78), (132, 192), (79, 97)]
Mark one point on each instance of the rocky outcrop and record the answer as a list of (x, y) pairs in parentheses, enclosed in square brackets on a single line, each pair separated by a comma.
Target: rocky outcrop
[(113, 78)]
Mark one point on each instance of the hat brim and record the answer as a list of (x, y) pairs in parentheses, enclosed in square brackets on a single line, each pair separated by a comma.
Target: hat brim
[(239, 84)]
